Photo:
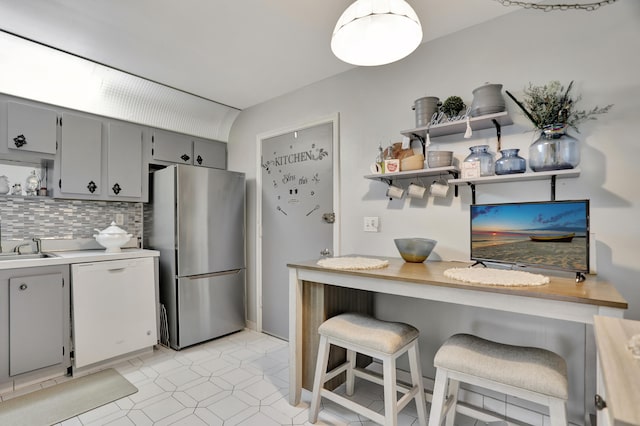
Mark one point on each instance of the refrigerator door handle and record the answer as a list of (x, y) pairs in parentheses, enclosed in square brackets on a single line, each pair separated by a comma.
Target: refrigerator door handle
[(213, 274)]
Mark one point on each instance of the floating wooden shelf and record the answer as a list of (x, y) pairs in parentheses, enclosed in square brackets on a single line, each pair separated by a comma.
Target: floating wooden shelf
[(518, 177), (388, 177), (460, 126), (568, 173)]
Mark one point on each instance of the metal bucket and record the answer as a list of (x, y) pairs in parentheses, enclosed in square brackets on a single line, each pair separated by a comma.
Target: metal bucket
[(425, 108)]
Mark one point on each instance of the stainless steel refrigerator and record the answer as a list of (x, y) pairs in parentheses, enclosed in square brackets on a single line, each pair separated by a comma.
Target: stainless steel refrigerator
[(196, 219)]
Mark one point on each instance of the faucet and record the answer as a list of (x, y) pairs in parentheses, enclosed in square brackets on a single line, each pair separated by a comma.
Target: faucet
[(17, 248), (38, 242)]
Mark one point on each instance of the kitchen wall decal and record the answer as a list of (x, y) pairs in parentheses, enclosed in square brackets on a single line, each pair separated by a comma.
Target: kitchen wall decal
[(290, 183)]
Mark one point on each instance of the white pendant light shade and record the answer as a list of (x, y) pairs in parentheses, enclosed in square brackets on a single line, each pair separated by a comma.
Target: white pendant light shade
[(376, 32)]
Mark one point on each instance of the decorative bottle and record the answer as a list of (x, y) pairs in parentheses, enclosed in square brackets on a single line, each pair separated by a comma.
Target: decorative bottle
[(481, 153), (380, 159), (510, 162), (554, 150)]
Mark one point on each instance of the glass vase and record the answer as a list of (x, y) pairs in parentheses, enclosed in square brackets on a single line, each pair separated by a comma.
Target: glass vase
[(481, 153), (510, 162), (554, 150)]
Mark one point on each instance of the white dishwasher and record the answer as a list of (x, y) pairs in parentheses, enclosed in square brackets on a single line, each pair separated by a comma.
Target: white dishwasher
[(113, 309)]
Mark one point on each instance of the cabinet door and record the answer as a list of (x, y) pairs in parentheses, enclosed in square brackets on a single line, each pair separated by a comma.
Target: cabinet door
[(124, 161), (114, 309), (31, 128), (210, 154), (172, 147), (81, 155), (36, 319)]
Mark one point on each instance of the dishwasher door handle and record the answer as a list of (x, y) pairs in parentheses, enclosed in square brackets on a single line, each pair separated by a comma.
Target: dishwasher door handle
[(214, 274)]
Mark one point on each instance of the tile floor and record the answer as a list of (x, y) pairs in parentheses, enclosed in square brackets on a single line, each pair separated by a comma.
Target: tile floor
[(240, 379)]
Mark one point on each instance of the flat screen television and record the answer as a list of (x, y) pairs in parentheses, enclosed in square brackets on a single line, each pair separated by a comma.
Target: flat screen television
[(547, 235)]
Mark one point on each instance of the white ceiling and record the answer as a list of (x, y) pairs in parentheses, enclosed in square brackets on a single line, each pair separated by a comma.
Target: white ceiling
[(235, 52)]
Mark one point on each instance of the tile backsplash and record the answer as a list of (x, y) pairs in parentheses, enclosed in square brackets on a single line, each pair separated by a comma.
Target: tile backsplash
[(43, 217)]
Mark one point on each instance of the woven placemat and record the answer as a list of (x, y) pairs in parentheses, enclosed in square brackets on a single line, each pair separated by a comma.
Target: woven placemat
[(353, 263), (490, 276)]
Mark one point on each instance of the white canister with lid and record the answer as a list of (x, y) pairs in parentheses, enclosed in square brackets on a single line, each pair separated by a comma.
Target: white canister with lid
[(4, 185), (487, 99), (112, 238)]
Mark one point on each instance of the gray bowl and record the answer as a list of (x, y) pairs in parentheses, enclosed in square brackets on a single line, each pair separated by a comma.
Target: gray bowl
[(415, 250), (439, 158)]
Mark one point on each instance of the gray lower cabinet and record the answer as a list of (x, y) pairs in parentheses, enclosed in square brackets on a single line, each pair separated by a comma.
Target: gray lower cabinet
[(34, 321)]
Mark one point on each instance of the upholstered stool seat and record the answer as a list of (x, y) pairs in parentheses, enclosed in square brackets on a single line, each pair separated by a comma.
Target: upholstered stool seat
[(533, 374), (382, 340)]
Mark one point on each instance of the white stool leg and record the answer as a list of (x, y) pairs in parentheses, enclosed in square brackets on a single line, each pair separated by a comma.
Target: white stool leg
[(319, 378), (437, 402), (390, 392), (452, 393), (351, 359), (416, 380), (557, 412)]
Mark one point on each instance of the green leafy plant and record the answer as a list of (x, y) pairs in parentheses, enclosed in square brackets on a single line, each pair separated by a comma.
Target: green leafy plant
[(453, 105), (553, 104)]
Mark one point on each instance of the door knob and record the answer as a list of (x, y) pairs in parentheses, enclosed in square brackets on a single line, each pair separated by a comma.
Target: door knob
[(329, 217)]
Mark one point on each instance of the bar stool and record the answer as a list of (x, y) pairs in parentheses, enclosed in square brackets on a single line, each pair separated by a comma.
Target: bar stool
[(533, 374), (382, 340)]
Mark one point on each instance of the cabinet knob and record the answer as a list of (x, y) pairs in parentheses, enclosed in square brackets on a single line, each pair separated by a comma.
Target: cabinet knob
[(23, 287), (92, 187), (116, 189), (199, 160), (20, 141), (185, 157), (599, 402)]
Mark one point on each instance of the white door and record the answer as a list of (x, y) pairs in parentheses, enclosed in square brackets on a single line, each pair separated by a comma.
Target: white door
[(297, 212)]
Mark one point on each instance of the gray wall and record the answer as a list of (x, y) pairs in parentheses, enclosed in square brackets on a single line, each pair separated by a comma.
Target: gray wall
[(599, 50)]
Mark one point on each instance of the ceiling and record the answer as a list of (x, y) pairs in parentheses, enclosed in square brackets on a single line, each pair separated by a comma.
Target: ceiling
[(234, 52)]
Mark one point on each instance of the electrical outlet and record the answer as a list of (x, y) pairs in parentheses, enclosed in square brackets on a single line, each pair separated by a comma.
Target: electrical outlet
[(119, 219), (371, 224)]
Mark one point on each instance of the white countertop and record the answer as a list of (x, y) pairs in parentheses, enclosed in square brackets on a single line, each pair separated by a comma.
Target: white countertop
[(78, 256)]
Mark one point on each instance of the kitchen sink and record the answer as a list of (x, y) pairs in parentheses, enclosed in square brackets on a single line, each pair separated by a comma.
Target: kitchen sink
[(24, 256)]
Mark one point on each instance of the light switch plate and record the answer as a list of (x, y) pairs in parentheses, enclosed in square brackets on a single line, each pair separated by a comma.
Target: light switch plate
[(371, 224)]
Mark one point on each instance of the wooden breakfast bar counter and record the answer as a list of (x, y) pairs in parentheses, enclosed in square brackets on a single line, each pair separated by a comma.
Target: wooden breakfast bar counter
[(317, 293)]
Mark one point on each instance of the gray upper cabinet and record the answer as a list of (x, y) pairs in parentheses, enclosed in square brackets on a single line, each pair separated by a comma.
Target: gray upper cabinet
[(124, 161), (177, 148), (81, 155), (210, 154), (172, 147), (31, 128)]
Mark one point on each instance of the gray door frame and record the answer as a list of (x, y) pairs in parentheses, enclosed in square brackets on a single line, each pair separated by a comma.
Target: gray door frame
[(335, 120)]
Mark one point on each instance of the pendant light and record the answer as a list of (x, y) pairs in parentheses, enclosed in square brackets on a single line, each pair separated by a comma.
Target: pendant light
[(376, 32)]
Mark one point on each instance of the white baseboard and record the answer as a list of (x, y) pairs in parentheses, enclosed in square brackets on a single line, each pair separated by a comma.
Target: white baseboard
[(251, 325)]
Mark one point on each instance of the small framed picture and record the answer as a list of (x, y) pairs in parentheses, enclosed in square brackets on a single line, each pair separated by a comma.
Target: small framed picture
[(392, 166), (470, 169)]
